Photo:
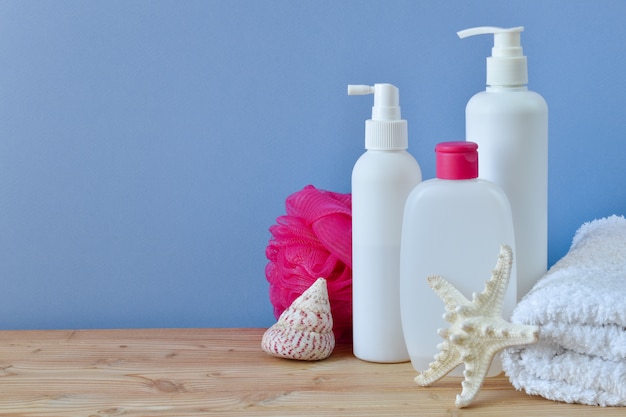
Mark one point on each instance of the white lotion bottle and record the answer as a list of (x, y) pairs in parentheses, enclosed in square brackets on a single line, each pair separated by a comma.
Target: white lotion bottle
[(382, 179), (454, 226), (510, 125)]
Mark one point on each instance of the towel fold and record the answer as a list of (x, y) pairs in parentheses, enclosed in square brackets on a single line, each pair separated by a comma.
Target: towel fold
[(580, 308)]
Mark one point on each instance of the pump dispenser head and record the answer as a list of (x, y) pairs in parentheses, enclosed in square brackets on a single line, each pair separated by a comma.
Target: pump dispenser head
[(385, 130), (507, 65)]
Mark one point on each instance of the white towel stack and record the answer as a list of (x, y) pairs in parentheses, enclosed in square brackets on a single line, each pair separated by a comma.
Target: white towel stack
[(580, 308)]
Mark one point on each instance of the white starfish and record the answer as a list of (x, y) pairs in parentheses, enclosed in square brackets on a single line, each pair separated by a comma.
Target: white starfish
[(478, 331)]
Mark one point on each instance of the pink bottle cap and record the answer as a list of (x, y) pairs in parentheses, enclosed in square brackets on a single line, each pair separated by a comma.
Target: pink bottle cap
[(457, 160)]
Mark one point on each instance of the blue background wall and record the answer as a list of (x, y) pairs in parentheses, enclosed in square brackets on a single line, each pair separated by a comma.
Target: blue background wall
[(146, 147)]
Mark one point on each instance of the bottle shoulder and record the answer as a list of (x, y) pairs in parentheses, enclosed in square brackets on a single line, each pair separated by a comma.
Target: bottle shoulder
[(386, 163), (475, 192), (503, 100), (387, 155)]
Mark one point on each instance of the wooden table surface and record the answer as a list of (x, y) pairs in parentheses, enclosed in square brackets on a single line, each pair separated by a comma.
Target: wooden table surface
[(224, 372)]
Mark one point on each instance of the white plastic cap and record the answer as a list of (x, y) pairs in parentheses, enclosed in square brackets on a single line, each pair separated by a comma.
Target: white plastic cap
[(385, 130), (507, 65)]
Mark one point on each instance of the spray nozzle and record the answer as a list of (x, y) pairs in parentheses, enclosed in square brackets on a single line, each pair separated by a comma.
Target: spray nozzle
[(386, 100), (507, 65), (385, 130)]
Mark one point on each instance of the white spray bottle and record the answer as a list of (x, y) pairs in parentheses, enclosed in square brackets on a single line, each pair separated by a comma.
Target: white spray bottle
[(382, 179), (510, 125)]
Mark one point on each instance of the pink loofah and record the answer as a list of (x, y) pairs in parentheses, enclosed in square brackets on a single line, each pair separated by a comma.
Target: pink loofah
[(313, 240)]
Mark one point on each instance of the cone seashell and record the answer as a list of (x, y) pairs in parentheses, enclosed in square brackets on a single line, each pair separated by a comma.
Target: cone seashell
[(305, 330)]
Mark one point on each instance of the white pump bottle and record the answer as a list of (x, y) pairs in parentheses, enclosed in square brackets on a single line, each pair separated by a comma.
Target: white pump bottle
[(510, 125), (382, 179)]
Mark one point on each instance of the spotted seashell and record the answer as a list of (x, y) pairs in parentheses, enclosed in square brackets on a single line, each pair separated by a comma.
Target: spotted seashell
[(305, 330)]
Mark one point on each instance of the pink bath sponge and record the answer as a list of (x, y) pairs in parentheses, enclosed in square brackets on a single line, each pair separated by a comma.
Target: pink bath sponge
[(313, 240)]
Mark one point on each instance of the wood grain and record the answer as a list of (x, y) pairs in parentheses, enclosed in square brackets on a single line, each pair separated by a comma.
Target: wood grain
[(199, 372)]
